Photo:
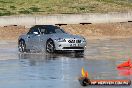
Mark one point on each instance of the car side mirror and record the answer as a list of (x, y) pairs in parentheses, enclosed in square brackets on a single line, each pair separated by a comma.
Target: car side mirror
[(36, 33)]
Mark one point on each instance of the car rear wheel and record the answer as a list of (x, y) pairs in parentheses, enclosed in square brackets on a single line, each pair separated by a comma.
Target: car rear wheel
[(50, 47), (22, 46)]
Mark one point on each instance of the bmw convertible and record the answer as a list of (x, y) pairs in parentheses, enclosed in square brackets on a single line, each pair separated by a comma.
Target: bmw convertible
[(50, 38)]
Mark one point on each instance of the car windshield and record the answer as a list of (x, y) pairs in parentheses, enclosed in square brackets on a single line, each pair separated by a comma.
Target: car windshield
[(46, 29), (53, 30), (59, 31)]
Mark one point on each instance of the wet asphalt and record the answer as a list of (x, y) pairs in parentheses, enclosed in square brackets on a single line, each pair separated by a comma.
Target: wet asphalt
[(62, 70)]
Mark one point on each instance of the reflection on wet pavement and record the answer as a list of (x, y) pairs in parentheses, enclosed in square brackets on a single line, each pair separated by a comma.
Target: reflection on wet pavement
[(124, 71), (41, 70), (108, 49)]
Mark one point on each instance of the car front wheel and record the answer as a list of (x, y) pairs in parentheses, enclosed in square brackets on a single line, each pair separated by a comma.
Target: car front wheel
[(50, 47)]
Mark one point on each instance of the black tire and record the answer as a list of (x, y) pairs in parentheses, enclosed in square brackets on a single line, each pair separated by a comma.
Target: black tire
[(22, 46), (86, 82), (50, 47)]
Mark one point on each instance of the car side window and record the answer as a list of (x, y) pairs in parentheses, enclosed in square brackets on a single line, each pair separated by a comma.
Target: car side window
[(31, 31), (36, 30), (46, 31), (50, 31), (42, 30)]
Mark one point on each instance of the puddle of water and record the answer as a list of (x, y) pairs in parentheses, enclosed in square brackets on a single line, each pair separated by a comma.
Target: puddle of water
[(63, 70)]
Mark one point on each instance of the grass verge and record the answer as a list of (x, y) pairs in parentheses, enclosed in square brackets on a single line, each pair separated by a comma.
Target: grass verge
[(17, 7)]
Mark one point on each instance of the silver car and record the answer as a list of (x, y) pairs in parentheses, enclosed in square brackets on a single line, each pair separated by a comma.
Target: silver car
[(50, 38)]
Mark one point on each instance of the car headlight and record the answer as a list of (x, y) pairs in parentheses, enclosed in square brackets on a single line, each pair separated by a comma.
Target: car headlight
[(60, 40)]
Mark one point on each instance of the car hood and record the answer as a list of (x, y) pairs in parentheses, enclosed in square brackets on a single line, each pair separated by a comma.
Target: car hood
[(65, 35)]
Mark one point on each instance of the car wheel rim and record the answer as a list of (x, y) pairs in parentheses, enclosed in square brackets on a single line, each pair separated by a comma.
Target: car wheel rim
[(50, 47), (21, 46)]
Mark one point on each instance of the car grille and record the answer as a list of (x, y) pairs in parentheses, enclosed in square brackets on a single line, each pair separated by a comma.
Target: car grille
[(73, 48), (74, 41)]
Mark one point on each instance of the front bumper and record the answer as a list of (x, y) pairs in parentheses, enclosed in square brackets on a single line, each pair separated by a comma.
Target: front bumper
[(69, 46)]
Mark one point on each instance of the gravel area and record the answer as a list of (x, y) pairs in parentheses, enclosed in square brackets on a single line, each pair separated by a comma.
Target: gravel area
[(89, 31)]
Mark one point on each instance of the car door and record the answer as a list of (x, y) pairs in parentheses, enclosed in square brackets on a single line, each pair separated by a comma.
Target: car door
[(28, 39), (43, 38), (34, 40)]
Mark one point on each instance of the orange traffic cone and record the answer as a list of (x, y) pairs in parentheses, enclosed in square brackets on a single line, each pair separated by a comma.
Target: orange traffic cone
[(125, 64), (84, 80)]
